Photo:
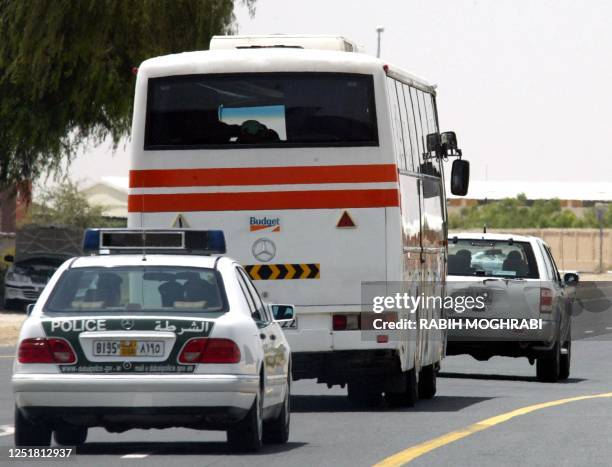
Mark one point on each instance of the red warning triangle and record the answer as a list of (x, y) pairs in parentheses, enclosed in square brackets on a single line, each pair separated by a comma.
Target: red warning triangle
[(345, 221)]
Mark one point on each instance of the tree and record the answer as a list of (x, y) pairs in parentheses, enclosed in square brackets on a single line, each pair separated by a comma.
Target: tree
[(520, 213), (65, 69), (64, 204)]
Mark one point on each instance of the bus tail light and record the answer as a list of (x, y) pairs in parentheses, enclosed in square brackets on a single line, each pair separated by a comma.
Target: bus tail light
[(346, 322), (42, 350), (209, 350), (546, 300)]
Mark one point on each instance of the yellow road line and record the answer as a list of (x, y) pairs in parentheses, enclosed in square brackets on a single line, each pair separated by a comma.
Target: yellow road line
[(411, 453), (7, 356)]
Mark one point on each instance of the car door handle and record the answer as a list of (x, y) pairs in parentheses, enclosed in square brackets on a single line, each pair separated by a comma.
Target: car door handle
[(262, 336)]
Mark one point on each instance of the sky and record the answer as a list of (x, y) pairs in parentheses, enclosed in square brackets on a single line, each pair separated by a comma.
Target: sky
[(525, 84)]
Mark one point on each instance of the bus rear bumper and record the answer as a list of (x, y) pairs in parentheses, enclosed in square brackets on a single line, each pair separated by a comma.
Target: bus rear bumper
[(344, 366)]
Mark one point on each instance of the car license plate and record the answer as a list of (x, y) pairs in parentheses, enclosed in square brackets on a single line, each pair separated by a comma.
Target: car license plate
[(128, 348)]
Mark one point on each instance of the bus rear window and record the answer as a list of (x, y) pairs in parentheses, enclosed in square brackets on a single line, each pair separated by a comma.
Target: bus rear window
[(273, 109)]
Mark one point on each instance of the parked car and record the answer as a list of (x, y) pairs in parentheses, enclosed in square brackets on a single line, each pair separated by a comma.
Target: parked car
[(39, 252), (516, 277)]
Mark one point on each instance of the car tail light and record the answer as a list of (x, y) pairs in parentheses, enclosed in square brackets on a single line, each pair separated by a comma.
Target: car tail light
[(42, 350), (192, 350), (220, 351), (209, 350), (546, 300)]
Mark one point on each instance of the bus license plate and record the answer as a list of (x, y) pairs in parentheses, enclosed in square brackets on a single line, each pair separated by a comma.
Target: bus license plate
[(129, 348)]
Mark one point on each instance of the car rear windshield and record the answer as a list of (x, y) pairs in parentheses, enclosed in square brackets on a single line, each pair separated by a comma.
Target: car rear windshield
[(261, 109), (491, 258), (134, 289)]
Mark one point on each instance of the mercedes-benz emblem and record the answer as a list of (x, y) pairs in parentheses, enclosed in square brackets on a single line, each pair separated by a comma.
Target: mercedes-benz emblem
[(264, 250), (127, 324)]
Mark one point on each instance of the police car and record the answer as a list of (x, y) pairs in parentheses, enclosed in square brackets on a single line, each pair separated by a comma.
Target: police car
[(154, 330)]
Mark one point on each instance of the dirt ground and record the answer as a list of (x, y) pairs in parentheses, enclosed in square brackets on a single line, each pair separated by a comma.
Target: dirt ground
[(10, 323)]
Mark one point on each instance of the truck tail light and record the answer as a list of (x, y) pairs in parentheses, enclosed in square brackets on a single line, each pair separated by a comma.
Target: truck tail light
[(45, 350), (546, 300), (209, 350), (346, 322)]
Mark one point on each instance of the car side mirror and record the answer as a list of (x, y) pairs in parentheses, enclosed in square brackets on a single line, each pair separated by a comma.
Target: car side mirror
[(460, 177), (30, 308), (570, 278), (283, 313), (9, 258)]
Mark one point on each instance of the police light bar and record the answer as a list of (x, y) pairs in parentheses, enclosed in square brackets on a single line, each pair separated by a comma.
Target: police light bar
[(177, 241)]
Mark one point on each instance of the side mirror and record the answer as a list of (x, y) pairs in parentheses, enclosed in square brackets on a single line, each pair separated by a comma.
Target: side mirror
[(9, 258), (570, 278), (448, 140), (460, 177), (283, 313), (434, 142), (30, 308)]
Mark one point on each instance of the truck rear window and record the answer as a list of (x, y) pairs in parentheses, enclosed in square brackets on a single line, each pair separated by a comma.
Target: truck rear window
[(491, 258), (269, 109), (134, 289)]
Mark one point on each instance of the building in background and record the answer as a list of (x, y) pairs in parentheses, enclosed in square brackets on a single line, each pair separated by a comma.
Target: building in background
[(111, 193)]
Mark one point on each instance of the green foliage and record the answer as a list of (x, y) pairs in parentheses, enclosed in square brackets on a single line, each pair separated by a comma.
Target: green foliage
[(65, 69), (519, 213), (64, 204)]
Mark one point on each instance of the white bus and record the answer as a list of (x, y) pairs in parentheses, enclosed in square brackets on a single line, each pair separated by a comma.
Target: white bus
[(318, 167)]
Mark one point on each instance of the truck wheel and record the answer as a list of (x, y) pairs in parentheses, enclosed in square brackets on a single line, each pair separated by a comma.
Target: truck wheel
[(277, 430), (548, 367), (30, 434), (566, 357), (409, 396), (427, 382), (70, 436), (360, 395), (247, 434)]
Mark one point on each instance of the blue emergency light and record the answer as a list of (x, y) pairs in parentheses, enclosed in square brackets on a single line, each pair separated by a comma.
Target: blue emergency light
[(176, 241)]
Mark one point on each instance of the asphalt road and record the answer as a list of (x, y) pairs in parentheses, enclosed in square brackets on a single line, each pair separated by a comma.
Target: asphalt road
[(326, 430)]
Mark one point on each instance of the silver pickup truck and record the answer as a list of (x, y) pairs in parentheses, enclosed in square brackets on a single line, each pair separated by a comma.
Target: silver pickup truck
[(522, 304)]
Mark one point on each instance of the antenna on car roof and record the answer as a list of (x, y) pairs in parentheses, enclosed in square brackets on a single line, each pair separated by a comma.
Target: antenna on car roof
[(484, 228)]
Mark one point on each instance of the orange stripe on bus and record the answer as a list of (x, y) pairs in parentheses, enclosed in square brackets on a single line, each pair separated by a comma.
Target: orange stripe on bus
[(263, 175), (323, 199)]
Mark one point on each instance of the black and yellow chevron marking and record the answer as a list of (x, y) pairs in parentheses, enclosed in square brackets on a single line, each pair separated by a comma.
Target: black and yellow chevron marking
[(271, 272)]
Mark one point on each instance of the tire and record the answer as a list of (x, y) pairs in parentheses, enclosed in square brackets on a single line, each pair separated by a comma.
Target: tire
[(70, 436), (28, 433), (409, 396), (276, 431), (548, 367), (566, 360), (360, 395), (247, 435), (427, 382)]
